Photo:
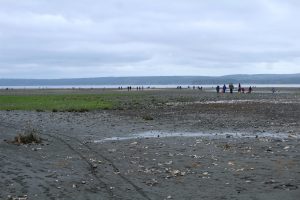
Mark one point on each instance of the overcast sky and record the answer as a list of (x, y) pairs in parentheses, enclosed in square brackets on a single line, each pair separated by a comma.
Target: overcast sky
[(95, 38)]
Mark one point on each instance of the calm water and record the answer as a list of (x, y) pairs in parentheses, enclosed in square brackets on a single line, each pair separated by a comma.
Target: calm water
[(160, 134), (145, 86)]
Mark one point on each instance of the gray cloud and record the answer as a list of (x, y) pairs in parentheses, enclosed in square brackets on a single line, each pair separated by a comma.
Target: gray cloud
[(64, 38)]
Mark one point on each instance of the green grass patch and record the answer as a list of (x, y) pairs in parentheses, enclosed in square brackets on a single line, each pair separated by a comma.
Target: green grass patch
[(59, 103)]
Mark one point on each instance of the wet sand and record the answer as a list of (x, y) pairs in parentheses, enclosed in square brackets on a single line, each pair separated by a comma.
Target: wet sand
[(199, 145)]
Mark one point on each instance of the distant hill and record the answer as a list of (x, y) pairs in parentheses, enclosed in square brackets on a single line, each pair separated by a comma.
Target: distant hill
[(160, 80)]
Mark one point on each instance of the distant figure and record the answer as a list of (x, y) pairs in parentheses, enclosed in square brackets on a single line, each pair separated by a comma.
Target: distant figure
[(194, 87), (239, 88), (218, 89), (273, 90), (231, 87), (250, 90), (243, 90), (224, 88)]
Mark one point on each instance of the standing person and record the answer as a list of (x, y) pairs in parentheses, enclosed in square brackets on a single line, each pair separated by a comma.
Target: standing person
[(273, 90), (218, 89), (231, 87), (224, 88), (240, 88), (250, 90)]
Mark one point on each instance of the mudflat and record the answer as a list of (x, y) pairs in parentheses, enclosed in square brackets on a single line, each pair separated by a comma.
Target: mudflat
[(155, 144)]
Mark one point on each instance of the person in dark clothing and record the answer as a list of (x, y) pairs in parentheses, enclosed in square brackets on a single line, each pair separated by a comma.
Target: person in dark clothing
[(231, 87), (273, 90), (218, 89), (250, 90), (224, 88), (240, 88)]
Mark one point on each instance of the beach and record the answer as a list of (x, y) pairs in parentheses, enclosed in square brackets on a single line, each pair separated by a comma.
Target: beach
[(162, 144)]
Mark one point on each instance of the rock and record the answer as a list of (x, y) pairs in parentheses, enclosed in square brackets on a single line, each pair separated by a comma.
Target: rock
[(112, 150), (230, 163), (152, 182), (169, 163), (175, 172), (94, 166)]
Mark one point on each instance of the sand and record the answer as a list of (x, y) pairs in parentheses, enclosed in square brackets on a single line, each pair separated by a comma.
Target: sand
[(199, 145)]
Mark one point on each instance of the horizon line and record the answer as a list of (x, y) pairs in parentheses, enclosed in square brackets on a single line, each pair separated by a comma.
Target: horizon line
[(146, 76)]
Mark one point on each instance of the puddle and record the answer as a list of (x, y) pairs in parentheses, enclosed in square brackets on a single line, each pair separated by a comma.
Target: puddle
[(233, 102), (159, 134)]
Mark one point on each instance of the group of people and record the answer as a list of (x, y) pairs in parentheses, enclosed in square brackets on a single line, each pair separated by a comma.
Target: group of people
[(231, 88), (129, 88), (189, 87)]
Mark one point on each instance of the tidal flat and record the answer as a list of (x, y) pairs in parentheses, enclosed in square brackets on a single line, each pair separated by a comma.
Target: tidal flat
[(150, 144)]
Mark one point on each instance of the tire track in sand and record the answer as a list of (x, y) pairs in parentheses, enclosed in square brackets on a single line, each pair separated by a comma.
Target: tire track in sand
[(115, 168), (91, 168)]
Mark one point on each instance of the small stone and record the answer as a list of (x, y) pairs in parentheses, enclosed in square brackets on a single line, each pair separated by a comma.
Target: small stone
[(169, 163), (111, 150), (230, 163), (175, 172), (94, 166)]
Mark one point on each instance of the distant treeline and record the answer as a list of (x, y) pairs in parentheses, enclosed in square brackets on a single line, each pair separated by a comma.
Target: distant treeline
[(160, 80)]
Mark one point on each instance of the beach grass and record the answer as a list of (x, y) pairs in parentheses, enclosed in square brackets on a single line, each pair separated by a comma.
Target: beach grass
[(58, 103), (76, 102)]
